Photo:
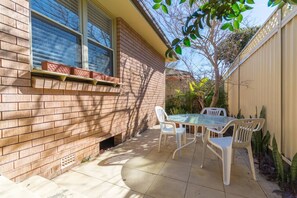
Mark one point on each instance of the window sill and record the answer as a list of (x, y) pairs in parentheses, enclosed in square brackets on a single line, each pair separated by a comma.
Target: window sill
[(42, 79)]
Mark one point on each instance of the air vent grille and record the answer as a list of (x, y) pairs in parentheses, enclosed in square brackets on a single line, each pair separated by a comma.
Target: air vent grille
[(67, 161)]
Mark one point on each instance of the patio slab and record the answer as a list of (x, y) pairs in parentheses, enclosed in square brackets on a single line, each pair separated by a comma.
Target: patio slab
[(136, 169)]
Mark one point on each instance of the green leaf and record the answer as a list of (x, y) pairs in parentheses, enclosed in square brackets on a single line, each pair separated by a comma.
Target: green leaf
[(235, 7), (156, 6), (191, 2), (193, 36), (231, 28), (182, 1), (164, 8), (175, 41), (240, 18), (250, 1), (247, 7), (168, 2), (225, 26), (178, 49), (158, 1), (236, 24), (187, 42), (294, 169)]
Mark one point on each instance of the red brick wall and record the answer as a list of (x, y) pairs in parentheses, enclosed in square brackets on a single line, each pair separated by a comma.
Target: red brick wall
[(39, 126)]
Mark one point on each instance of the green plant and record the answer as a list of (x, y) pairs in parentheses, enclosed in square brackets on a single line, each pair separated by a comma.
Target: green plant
[(176, 110), (239, 115), (278, 162), (260, 142), (294, 169)]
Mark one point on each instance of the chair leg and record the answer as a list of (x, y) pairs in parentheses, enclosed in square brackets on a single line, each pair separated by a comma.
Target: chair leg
[(203, 152), (165, 140), (233, 156), (160, 141), (250, 153), (226, 159)]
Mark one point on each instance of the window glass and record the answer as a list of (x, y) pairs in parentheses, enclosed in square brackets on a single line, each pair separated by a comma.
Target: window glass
[(53, 43), (61, 11), (100, 59), (99, 26)]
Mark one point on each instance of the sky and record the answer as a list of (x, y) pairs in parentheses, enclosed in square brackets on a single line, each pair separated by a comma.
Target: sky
[(260, 13), (255, 17)]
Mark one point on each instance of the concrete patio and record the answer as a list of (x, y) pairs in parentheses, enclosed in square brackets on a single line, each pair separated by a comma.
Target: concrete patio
[(136, 169)]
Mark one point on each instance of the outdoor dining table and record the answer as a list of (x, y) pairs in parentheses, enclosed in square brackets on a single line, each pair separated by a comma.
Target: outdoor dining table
[(198, 120)]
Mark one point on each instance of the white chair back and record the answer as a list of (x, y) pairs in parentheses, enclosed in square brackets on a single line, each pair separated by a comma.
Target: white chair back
[(214, 111), (161, 114), (243, 130)]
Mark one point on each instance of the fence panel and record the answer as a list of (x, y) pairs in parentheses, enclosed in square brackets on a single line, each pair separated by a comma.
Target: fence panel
[(289, 88), (267, 73)]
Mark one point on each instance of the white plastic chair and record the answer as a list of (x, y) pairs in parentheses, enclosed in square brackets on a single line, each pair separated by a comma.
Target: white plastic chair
[(169, 128), (241, 138), (214, 111)]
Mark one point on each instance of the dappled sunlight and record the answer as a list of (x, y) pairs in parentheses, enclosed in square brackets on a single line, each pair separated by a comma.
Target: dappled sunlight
[(135, 168)]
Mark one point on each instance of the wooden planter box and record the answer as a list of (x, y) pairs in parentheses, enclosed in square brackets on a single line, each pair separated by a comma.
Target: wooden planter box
[(80, 72), (97, 75), (112, 79), (55, 67)]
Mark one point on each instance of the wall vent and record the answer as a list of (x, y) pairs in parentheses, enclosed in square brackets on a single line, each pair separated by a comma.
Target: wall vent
[(67, 161)]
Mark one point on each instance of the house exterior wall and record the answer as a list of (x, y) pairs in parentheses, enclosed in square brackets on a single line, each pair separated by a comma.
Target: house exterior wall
[(39, 126), (265, 72)]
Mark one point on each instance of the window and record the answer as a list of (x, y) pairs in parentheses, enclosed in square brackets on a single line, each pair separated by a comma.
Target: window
[(57, 35), (99, 41)]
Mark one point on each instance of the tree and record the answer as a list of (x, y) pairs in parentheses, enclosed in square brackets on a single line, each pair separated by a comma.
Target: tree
[(207, 48), (226, 14), (235, 42), (229, 12)]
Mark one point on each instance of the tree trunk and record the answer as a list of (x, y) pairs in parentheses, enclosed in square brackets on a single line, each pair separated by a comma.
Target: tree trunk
[(216, 92)]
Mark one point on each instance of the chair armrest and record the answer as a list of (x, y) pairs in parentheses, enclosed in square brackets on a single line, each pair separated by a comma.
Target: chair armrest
[(214, 130), (170, 123)]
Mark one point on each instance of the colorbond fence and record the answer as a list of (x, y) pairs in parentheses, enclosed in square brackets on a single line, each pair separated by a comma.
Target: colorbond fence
[(265, 73)]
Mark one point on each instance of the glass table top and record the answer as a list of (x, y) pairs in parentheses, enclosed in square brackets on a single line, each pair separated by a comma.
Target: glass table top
[(200, 119)]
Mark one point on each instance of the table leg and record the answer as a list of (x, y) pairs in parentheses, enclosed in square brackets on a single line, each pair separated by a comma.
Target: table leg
[(181, 147)]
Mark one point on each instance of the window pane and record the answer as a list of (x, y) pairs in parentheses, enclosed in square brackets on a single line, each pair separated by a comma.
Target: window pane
[(100, 59), (52, 43), (99, 26), (64, 12)]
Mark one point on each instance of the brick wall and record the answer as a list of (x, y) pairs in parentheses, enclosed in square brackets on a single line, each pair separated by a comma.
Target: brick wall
[(39, 126)]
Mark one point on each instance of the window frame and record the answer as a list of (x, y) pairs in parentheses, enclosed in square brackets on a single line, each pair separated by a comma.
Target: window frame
[(82, 32)]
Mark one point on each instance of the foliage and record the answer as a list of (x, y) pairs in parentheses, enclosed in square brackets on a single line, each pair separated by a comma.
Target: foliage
[(278, 162), (228, 11), (294, 169), (222, 101), (192, 101), (235, 42), (271, 163), (260, 141)]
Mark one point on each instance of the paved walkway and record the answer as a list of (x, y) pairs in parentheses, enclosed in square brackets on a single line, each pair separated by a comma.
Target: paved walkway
[(136, 169)]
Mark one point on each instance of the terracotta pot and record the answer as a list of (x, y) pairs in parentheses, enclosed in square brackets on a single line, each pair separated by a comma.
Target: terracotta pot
[(55, 67), (80, 72), (112, 79), (97, 75)]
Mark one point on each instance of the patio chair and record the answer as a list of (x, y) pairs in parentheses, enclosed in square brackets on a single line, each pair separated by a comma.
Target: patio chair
[(215, 111), (169, 128), (241, 138)]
